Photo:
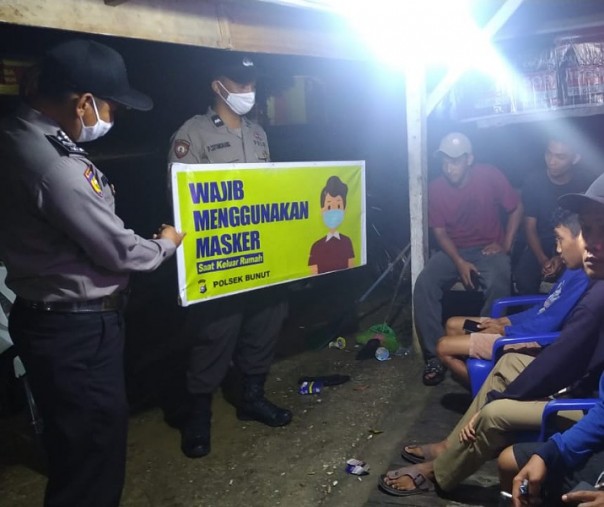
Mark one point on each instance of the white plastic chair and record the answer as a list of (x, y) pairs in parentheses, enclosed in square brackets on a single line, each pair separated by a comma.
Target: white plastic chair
[(7, 298)]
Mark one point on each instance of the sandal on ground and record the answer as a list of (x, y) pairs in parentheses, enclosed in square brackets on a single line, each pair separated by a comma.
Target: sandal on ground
[(434, 372), (428, 455), (422, 483)]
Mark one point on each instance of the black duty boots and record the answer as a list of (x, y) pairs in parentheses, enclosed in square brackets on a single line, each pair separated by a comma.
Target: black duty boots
[(254, 406), (195, 433)]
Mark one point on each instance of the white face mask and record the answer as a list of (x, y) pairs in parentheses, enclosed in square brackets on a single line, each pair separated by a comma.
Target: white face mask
[(240, 103), (99, 129)]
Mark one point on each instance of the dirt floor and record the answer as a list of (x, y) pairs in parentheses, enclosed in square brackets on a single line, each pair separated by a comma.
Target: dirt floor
[(302, 464)]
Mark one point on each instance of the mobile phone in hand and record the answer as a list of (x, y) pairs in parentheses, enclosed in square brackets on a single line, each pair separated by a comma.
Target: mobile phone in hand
[(475, 278), (471, 326)]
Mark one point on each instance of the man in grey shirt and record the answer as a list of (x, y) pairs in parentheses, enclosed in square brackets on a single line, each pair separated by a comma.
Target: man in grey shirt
[(242, 328), (68, 257)]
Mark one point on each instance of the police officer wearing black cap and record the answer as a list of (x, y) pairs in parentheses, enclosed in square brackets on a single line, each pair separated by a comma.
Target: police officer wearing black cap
[(68, 257), (242, 328)]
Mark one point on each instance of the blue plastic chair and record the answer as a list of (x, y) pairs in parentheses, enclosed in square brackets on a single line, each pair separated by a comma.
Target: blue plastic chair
[(560, 405), (502, 304), (478, 369)]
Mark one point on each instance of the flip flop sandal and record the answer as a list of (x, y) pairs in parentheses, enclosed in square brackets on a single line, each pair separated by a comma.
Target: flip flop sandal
[(416, 460), (422, 484), (436, 370)]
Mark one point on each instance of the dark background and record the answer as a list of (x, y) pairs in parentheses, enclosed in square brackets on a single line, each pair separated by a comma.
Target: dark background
[(364, 119)]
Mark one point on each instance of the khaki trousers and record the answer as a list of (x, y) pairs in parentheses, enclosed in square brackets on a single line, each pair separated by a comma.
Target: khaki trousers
[(495, 426)]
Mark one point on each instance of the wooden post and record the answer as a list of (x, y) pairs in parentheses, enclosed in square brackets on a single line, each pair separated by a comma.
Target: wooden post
[(415, 90)]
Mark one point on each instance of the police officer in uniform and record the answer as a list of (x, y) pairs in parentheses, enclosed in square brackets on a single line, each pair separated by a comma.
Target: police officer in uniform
[(68, 257), (242, 328)]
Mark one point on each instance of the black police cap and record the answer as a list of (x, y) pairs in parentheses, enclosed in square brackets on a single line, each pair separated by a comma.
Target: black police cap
[(575, 202), (237, 67), (87, 66)]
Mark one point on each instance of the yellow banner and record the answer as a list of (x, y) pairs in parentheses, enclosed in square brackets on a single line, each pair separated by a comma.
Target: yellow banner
[(253, 225)]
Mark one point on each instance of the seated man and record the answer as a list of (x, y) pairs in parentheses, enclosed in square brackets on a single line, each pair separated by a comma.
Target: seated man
[(515, 392), (457, 346), (559, 465), (539, 194), (464, 210)]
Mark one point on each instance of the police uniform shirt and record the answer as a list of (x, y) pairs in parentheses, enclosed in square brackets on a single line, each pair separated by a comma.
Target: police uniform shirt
[(205, 139), (59, 235)]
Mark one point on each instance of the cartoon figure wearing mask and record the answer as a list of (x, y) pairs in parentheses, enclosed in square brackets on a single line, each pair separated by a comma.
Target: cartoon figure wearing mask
[(334, 251)]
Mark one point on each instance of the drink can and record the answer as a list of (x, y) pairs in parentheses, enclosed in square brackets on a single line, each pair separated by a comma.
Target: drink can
[(310, 387), (356, 467), (524, 489), (338, 343)]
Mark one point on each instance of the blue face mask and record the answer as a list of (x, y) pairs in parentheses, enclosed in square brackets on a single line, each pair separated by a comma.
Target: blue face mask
[(333, 218)]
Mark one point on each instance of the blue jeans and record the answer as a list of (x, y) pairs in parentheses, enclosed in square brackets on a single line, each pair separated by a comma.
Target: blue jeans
[(440, 274)]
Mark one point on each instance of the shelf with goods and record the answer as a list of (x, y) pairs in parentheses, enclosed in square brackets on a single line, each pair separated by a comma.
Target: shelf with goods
[(560, 77), (542, 115)]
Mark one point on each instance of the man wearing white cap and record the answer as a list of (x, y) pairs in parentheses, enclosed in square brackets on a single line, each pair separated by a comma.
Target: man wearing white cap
[(464, 211)]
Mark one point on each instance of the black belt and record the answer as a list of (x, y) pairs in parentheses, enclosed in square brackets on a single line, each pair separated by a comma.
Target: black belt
[(105, 304)]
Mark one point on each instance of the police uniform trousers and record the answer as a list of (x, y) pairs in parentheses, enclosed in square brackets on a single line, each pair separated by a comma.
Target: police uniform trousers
[(496, 425), (242, 329), (74, 363)]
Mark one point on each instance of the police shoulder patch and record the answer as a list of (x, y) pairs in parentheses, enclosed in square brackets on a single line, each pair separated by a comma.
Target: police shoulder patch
[(90, 176), (181, 148), (65, 145)]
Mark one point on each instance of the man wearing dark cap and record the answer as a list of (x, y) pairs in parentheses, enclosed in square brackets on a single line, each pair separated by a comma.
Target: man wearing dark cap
[(465, 205), (555, 467), (224, 134), (242, 328), (68, 257)]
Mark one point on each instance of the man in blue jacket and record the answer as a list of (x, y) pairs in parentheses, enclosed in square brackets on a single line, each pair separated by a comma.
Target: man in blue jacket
[(579, 449), (560, 464)]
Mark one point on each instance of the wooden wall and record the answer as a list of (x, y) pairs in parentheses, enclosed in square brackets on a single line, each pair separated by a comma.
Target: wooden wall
[(236, 25)]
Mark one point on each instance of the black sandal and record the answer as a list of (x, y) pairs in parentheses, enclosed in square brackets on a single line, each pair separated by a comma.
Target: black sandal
[(434, 372)]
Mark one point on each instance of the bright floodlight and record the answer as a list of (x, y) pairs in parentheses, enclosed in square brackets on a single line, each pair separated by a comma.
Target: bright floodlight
[(416, 34), (419, 32), (425, 32)]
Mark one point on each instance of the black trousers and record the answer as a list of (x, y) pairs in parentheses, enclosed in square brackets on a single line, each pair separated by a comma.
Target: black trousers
[(242, 329), (74, 363), (527, 272)]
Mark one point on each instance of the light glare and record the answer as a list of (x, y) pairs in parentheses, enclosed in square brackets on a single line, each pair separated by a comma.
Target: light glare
[(420, 33)]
